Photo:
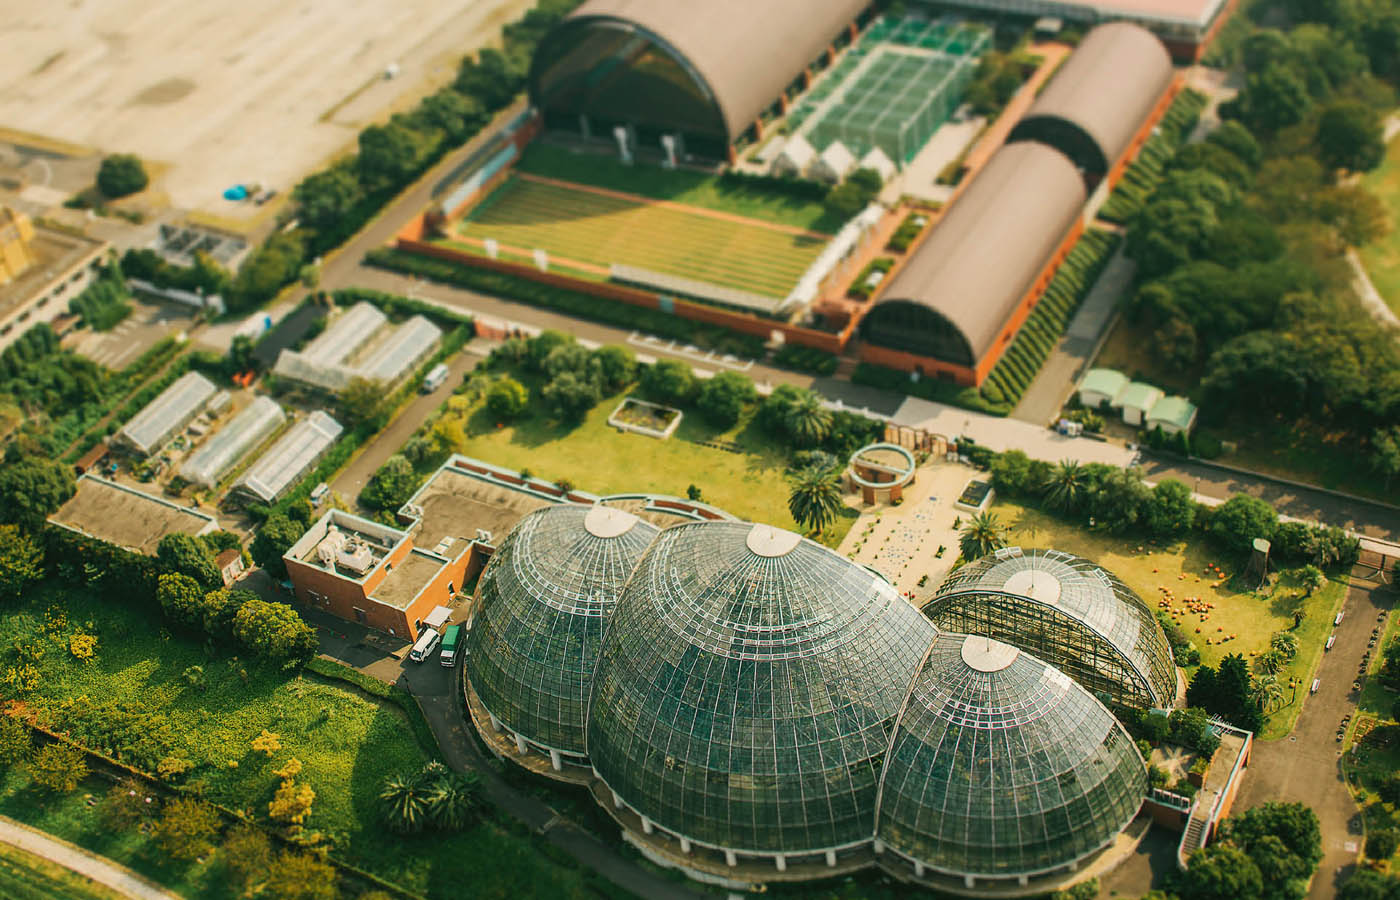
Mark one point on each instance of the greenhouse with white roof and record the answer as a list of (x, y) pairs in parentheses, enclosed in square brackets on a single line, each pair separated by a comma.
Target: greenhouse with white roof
[(245, 431), (294, 454), (165, 416), (360, 343)]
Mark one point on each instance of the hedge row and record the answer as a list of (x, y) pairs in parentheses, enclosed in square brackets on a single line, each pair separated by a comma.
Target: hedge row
[(398, 307), (904, 235), (1019, 365), (928, 388), (1142, 176), (806, 359), (574, 303)]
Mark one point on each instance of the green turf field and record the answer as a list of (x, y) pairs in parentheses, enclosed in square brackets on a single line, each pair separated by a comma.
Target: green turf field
[(597, 229)]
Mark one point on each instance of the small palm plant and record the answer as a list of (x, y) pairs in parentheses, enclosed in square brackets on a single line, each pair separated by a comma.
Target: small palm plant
[(815, 501), (983, 534)]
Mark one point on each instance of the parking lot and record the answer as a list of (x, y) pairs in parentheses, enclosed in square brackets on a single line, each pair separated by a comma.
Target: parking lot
[(134, 335)]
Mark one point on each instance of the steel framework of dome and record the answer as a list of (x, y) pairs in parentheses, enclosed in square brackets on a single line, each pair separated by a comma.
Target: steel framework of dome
[(543, 603), (1068, 612), (1002, 766), (747, 687)]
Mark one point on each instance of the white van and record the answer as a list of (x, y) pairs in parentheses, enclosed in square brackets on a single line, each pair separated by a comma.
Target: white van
[(426, 644), (436, 377)]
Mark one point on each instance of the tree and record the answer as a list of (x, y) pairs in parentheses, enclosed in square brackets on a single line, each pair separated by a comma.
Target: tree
[(1202, 691), (1271, 100), (1234, 695), (391, 485), (507, 399), (326, 198), (1171, 510), (1220, 872), (458, 115), (1236, 138), (983, 534), (121, 174), (454, 800), (273, 539), (58, 768), (16, 741), (124, 805), (1355, 211), (1283, 839), (570, 356), (616, 367), (276, 263), (1011, 473), (807, 422), (31, 489), (218, 609), (184, 554), (1241, 519), (1382, 844), (1312, 580), (180, 597), (815, 497), (186, 828), (391, 154), (668, 381), (301, 876), (1065, 487), (722, 398), (1368, 884), (404, 800), (570, 396), (247, 856), (1385, 453), (1120, 498), (1284, 643), (364, 401), (275, 630), (773, 411), (21, 562), (1350, 136)]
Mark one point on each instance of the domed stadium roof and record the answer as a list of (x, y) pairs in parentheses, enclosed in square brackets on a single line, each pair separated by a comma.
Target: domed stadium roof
[(747, 687), (543, 603), (1001, 765), (1069, 612)]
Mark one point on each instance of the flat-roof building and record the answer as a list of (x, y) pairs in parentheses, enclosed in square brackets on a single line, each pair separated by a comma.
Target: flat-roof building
[(126, 517), (166, 415), (41, 269)]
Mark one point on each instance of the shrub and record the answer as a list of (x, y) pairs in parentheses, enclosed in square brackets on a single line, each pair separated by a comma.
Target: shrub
[(121, 174), (16, 741), (507, 399), (186, 828), (58, 768), (669, 381), (722, 398)]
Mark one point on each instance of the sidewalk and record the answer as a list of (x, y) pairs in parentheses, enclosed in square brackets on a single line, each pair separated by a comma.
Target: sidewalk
[(103, 871)]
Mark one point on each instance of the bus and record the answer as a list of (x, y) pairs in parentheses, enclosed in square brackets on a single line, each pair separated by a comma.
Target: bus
[(451, 640)]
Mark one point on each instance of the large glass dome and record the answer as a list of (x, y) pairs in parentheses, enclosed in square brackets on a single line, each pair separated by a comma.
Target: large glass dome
[(543, 603), (1002, 766), (747, 688), (1070, 613)]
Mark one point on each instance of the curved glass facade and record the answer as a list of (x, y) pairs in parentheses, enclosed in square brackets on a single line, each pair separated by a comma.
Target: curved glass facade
[(747, 687), (916, 328), (1069, 612), (543, 603), (1002, 766), (614, 73)]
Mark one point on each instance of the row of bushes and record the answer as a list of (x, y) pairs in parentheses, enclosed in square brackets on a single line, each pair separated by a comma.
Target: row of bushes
[(1141, 177), (399, 307), (1035, 340), (104, 303), (804, 189), (912, 226), (806, 359), (928, 388), (574, 303), (860, 289)]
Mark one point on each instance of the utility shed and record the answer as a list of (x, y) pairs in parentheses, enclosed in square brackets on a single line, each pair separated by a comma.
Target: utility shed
[(1135, 400), (1100, 386), (166, 415), (1173, 414), (229, 444)]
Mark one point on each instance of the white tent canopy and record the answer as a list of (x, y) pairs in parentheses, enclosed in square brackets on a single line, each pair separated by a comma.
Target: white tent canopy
[(797, 155), (834, 164)]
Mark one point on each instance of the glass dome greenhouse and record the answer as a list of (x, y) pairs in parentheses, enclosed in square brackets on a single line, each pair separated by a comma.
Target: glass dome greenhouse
[(543, 603), (746, 690), (1070, 613), (1002, 766)]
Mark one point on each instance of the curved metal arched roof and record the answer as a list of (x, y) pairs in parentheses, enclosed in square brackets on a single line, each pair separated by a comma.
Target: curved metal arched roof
[(1106, 89), (746, 52), (992, 243)]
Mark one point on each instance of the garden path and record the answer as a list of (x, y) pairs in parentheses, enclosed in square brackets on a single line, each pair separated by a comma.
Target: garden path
[(103, 871)]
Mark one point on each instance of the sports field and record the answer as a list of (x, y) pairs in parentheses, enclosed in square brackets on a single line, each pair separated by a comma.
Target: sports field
[(590, 228)]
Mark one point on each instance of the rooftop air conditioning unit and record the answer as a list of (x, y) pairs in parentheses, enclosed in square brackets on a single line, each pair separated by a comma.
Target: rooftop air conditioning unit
[(483, 535)]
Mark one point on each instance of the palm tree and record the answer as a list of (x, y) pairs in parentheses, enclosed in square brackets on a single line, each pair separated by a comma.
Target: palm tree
[(1312, 579), (983, 534), (405, 801), (1268, 663), (1266, 691), (1065, 486), (807, 420), (1285, 644), (454, 799), (815, 501)]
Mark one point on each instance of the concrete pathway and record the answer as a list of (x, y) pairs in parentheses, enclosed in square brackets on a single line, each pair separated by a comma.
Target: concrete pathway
[(99, 869), (1371, 299)]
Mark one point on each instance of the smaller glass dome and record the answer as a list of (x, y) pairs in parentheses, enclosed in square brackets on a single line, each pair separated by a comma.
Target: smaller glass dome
[(542, 606), (1069, 612), (1002, 766)]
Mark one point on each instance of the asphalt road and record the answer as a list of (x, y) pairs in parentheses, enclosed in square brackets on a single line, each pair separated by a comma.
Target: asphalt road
[(1306, 766)]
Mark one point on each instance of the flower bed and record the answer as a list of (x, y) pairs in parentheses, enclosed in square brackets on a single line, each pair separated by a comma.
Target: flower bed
[(641, 417), (977, 496)]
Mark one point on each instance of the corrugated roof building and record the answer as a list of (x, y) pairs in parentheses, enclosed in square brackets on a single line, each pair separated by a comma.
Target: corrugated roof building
[(294, 454), (164, 417), (706, 71), (244, 431), (411, 343)]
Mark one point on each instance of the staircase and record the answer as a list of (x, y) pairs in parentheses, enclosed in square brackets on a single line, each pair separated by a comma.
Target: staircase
[(1191, 840)]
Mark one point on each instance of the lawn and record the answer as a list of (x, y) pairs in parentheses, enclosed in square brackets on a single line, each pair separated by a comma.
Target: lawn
[(681, 185), (1382, 258), (347, 743), (596, 229), (24, 876), (596, 457), (1146, 567)]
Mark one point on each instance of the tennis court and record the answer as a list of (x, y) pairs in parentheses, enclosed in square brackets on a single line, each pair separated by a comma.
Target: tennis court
[(598, 228), (894, 88)]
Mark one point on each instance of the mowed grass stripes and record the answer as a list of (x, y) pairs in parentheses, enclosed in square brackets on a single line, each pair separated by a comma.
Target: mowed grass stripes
[(594, 228)]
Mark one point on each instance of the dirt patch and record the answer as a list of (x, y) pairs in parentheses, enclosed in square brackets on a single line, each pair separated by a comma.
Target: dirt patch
[(169, 90)]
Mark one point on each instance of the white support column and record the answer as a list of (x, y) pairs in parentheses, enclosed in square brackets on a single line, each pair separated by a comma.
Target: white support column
[(647, 827), (1074, 866), (520, 746), (495, 722), (831, 858), (781, 862), (878, 846), (1023, 880), (730, 858), (617, 802), (685, 846), (969, 881), (919, 869), (556, 760)]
